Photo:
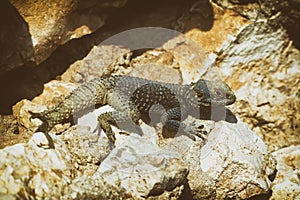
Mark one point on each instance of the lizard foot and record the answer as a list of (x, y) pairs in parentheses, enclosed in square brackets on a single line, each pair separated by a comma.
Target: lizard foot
[(194, 129)]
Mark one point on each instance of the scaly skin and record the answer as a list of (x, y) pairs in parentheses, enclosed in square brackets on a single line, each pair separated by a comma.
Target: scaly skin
[(136, 98)]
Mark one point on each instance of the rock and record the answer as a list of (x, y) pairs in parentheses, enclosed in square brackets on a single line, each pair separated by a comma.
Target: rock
[(101, 60), (15, 39), (257, 59), (158, 65), (8, 131), (39, 170), (54, 23), (54, 91), (200, 185), (250, 9), (232, 163), (238, 160), (195, 50), (30, 171), (286, 184), (286, 13), (234, 50), (266, 96), (113, 60), (86, 150), (20, 111), (142, 168), (86, 187)]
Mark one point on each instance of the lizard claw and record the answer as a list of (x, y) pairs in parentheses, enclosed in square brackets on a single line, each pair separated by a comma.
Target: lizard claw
[(194, 130)]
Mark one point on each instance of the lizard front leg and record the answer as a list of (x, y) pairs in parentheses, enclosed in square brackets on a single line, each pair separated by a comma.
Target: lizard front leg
[(173, 125)]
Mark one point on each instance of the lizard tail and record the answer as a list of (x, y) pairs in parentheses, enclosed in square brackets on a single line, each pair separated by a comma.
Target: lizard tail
[(45, 126)]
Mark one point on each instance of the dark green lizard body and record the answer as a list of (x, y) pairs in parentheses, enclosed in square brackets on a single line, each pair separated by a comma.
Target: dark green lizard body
[(136, 98)]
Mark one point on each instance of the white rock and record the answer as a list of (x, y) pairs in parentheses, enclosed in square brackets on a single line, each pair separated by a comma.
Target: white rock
[(233, 163), (28, 171), (286, 184), (142, 168), (238, 160)]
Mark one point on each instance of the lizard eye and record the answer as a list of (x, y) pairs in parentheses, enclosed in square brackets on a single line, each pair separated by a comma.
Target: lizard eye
[(219, 93)]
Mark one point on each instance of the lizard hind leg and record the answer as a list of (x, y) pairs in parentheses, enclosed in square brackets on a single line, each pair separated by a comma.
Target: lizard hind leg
[(171, 120), (126, 115)]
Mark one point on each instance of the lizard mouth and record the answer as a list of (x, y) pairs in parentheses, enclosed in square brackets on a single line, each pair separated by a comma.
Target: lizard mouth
[(215, 102)]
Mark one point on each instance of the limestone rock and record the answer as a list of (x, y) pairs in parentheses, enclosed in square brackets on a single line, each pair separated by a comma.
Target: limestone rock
[(287, 13), (257, 59), (101, 60), (15, 39), (23, 116), (250, 9), (158, 65), (107, 60), (86, 150), (53, 92), (195, 50), (86, 187), (263, 68), (32, 170), (39, 170), (286, 184), (238, 160), (8, 131), (52, 23), (232, 162), (142, 168)]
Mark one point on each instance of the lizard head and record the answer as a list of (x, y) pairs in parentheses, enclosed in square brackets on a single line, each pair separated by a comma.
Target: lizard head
[(213, 93)]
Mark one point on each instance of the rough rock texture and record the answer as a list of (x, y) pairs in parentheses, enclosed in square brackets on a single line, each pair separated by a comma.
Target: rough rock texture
[(233, 163), (96, 63), (257, 59), (85, 149), (200, 185), (248, 8), (52, 23), (15, 39), (8, 131), (142, 168), (238, 159), (89, 188), (53, 92), (158, 64), (286, 184), (32, 170), (233, 147), (286, 13), (263, 67)]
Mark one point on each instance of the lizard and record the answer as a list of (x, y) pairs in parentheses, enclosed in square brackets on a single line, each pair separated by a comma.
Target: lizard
[(136, 98)]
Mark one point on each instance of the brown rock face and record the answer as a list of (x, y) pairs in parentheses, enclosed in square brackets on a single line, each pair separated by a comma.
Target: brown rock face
[(52, 23), (15, 40)]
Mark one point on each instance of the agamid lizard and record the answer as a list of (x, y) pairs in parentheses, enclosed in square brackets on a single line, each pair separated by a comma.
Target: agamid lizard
[(137, 98)]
